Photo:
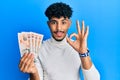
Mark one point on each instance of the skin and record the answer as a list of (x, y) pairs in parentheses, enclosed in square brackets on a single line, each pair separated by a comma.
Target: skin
[(80, 44), (27, 65), (59, 28)]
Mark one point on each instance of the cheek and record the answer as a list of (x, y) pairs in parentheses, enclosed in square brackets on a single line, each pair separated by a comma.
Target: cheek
[(52, 28), (66, 28)]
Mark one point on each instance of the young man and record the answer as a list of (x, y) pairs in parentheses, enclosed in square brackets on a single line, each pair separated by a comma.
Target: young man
[(60, 58)]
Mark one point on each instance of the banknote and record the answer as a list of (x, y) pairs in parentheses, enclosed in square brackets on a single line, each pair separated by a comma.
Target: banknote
[(29, 42)]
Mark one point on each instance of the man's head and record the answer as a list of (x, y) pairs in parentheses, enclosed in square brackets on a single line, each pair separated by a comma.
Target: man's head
[(59, 19)]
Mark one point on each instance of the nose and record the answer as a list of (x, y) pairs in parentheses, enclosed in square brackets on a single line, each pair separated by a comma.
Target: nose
[(58, 26)]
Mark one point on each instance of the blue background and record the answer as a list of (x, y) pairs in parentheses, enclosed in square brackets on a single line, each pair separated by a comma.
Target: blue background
[(103, 17)]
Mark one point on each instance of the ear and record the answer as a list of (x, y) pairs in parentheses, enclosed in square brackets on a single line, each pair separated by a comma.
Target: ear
[(48, 23), (69, 23)]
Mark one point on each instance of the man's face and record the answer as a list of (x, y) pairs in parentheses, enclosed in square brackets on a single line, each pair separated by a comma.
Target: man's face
[(59, 27)]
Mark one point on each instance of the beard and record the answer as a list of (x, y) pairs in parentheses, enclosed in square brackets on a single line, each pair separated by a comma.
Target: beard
[(59, 40)]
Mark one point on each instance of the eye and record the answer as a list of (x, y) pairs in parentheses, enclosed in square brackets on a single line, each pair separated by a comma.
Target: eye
[(64, 22), (53, 22)]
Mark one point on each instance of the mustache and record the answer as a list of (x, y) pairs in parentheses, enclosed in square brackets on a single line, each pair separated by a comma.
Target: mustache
[(58, 31)]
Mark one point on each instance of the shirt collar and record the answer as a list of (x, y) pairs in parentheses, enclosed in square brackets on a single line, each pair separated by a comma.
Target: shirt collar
[(63, 42)]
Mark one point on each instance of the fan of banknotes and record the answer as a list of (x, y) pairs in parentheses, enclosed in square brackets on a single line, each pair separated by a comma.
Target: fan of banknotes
[(29, 42)]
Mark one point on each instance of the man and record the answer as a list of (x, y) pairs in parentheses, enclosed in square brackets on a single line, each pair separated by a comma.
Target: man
[(61, 58)]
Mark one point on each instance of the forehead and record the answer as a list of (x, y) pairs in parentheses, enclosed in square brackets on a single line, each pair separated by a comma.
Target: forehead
[(59, 19)]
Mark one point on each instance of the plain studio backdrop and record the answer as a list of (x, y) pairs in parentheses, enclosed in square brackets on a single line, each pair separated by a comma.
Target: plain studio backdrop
[(102, 16)]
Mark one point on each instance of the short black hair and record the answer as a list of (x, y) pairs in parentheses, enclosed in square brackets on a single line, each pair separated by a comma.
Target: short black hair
[(58, 10)]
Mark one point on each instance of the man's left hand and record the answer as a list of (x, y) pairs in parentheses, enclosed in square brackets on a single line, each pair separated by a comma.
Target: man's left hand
[(80, 44)]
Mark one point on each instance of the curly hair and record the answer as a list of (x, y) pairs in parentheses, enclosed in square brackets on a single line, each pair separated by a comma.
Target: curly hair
[(58, 10)]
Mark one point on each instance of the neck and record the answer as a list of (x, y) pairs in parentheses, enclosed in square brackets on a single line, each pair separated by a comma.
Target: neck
[(58, 42)]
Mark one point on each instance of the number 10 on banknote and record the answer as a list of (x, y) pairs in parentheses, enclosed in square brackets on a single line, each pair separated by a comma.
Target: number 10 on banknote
[(29, 42)]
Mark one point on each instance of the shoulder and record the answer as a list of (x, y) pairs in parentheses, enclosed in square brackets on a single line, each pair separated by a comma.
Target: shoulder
[(46, 42)]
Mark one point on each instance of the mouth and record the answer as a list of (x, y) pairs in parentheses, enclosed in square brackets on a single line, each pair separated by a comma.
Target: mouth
[(59, 33)]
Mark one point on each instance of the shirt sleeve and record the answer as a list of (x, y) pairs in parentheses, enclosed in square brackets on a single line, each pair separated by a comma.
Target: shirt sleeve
[(91, 74)]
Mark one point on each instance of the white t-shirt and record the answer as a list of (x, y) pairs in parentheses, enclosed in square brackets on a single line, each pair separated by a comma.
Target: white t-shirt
[(59, 61)]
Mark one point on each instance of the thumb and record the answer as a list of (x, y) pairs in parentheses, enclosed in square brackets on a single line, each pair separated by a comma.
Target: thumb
[(69, 41)]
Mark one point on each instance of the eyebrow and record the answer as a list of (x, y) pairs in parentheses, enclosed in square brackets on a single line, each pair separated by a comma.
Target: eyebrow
[(65, 19), (51, 20), (61, 20)]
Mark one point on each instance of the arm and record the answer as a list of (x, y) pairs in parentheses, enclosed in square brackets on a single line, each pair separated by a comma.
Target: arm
[(80, 45), (27, 65)]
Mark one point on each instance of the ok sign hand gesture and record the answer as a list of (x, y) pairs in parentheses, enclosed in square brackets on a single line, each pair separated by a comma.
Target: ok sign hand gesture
[(80, 44)]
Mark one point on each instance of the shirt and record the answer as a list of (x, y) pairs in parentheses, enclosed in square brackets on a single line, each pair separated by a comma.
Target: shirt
[(59, 61)]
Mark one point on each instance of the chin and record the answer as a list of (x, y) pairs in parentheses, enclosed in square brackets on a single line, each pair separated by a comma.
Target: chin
[(59, 39)]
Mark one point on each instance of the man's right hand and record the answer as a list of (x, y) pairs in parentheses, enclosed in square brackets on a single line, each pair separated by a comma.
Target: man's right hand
[(27, 64)]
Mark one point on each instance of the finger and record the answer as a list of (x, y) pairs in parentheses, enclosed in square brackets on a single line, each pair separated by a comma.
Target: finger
[(31, 66), (86, 32), (22, 59), (29, 62), (82, 28), (24, 63), (78, 27), (74, 35), (69, 39)]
